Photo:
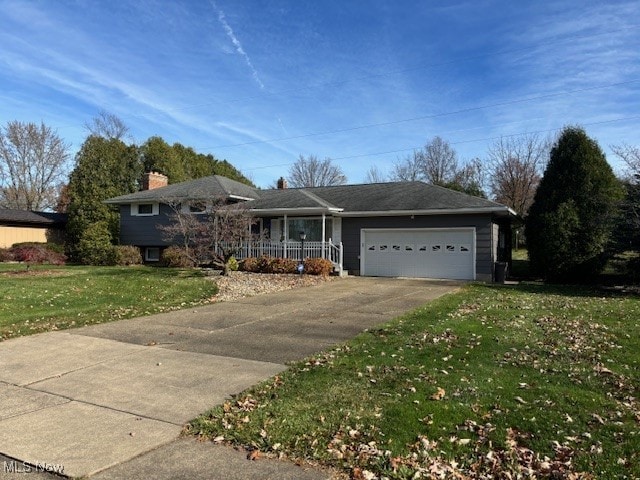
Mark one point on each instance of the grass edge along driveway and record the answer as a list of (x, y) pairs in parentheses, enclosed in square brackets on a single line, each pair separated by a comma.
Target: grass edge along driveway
[(45, 297), (531, 380)]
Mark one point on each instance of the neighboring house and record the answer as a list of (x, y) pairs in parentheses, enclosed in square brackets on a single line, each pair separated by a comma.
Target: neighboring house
[(409, 229), (17, 226)]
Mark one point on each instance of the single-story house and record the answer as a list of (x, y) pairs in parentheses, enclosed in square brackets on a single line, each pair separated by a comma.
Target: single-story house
[(409, 229), (17, 226)]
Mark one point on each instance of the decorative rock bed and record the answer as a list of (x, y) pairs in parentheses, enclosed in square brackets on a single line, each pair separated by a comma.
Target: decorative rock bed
[(244, 284)]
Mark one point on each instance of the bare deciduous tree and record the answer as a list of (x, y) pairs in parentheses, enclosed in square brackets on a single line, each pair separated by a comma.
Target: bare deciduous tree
[(33, 165), (208, 234), (630, 155), (516, 167), (312, 172), (107, 125), (438, 162), (407, 170), (470, 178), (374, 175)]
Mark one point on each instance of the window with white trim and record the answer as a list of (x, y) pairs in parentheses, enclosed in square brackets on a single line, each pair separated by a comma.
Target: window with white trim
[(144, 209), (312, 227)]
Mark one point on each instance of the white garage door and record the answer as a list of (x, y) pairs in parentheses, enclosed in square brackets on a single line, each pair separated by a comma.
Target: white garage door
[(427, 253)]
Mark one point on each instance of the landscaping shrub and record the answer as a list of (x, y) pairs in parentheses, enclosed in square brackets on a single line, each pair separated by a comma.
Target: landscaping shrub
[(95, 246), (318, 266), (266, 264), (176, 257), (36, 253), (128, 255), (54, 247), (6, 255), (282, 265), (249, 264), (233, 265)]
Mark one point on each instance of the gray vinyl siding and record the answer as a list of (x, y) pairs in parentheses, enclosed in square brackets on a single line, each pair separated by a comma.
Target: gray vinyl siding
[(143, 231), (482, 223)]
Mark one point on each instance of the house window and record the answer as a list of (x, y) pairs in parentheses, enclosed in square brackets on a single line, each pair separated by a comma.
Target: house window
[(144, 209), (311, 226), (152, 254)]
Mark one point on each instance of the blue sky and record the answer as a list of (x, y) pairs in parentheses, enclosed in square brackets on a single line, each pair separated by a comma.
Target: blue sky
[(363, 82)]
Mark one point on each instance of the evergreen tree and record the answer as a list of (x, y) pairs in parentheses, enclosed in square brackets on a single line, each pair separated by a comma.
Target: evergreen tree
[(104, 168), (159, 156), (570, 223)]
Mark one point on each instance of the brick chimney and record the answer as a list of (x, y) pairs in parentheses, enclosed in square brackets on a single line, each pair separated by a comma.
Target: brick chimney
[(282, 183), (151, 180)]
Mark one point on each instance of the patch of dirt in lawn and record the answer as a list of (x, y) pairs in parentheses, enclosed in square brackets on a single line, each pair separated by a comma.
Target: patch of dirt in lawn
[(244, 284)]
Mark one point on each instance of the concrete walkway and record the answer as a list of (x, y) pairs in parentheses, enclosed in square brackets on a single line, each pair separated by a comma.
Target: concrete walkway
[(110, 400)]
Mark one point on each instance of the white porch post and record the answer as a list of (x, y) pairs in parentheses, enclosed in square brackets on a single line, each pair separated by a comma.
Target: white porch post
[(324, 218), (286, 235)]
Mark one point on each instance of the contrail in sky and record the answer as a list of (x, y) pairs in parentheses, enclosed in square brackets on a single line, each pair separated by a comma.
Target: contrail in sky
[(236, 43)]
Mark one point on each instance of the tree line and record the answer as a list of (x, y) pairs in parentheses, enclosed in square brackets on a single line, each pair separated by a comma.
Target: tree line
[(576, 212)]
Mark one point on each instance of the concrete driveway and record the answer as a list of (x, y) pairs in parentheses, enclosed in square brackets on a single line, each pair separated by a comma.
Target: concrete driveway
[(94, 398)]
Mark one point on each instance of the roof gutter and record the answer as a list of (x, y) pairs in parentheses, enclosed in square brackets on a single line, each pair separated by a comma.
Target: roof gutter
[(440, 211)]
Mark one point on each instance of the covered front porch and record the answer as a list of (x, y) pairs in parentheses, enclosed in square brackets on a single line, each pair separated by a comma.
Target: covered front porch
[(295, 250), (297, 236)]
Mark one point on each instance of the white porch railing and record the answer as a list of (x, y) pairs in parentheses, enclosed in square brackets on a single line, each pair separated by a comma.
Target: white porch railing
[(328, 250)]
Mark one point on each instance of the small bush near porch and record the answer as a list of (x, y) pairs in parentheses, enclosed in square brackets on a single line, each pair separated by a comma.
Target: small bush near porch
[(266, 264)]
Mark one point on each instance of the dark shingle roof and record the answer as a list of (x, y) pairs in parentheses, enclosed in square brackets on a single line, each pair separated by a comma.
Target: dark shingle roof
[(364, 198), (374, 197), (27, 217), (214, 186), (399, 196)]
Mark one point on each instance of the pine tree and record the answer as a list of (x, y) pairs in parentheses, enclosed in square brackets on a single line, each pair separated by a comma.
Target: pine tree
[(570, 223)]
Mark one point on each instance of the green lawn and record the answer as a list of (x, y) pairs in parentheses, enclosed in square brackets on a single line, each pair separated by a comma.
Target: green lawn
[(492, 382), (45, 297)]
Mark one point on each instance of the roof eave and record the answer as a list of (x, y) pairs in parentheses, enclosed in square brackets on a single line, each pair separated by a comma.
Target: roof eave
[(436, 211), (294, 211)]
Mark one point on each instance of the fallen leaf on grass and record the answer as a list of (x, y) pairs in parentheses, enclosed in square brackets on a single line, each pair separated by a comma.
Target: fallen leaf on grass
[(439, 395)]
